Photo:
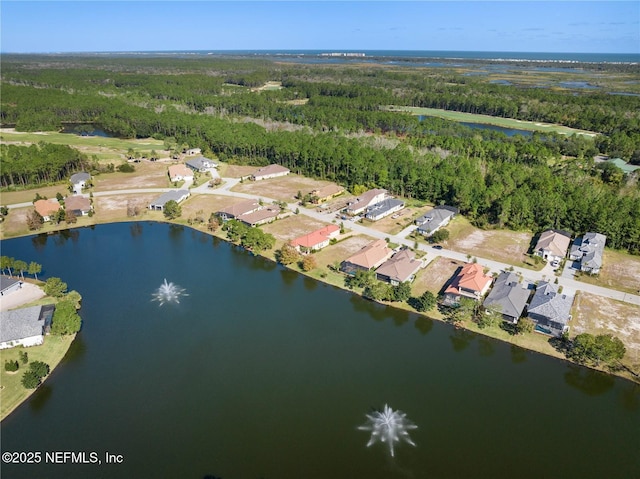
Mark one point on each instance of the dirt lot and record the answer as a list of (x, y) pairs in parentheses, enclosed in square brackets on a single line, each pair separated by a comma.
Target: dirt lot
[(342, 250), (147, 175), (619, 271), (284, 188), (114, 208), (435, 276), (292, 227), (235, 171), (598, 315), (499, 245)]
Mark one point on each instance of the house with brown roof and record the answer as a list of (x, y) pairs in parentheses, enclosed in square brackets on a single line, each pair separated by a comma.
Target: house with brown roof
[(79, 205), (261, 216), (270, 171), (470, 282), (47, 208), (237, 209), (180, 173), (365, 200), (400, 268), (553, 245), (326, 193), (367, 258), (316, 240)]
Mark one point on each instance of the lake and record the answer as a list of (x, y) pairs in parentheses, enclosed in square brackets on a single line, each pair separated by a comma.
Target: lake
[(263, 373)]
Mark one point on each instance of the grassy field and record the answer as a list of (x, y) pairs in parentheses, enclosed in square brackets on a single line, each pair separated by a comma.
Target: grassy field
[(499, 245), (599, 315), (619, 271), (12, 393), (111, 149), (284, 188), (492, 120)]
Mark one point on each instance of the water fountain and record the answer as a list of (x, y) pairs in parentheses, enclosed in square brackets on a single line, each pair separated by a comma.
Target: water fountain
[(388, 426), (168, 293)]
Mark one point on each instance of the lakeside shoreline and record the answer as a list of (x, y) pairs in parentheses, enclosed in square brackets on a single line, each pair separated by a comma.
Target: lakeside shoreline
[(468, 325)]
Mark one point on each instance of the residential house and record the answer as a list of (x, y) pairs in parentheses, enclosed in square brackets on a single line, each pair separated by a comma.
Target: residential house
[(316, 240), (367, 258), (175, 195), (553, 245), (78, 205), (366, 199), (437, 218), (47, 208), (550, 310), (400, 268), (261, 216), (588, 250), (383, 209), (270, 171), (200, 164), (238, 209), (26, 326), (470, 282), (193, 151), (79, 181), (180, 173), (326, 193), (9, 285), (509, 296)]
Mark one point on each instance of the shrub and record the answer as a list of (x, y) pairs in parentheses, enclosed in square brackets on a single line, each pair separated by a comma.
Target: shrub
[(11, 366), (31, 380), (24, 357)]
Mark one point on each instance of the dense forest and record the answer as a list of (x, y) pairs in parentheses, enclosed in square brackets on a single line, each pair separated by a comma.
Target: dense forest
[(332, 122)]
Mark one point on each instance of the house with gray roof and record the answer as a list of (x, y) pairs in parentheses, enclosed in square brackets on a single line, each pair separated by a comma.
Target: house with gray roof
[(383, 209), (176, 195), (79, 181), (26, 326), (365, 200), (589, 250), (400, 268), (9, 285), (550, 310), (200, 163), (509, 296), (437, 218)]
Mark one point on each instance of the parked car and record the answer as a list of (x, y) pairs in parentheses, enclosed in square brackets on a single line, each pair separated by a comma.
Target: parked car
[(555, 264), (437, 246)]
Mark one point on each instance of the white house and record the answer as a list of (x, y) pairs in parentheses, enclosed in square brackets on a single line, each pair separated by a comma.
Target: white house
[(25, 327), (437, 218), (175, 195), (79, 181), (383, 209), (180, 173), (366, 199)]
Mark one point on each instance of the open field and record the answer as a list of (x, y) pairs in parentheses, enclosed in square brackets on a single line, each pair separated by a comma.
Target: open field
[(598, 315), (291, 227), (27, 196), (435, 276), (284, 188), (148, 174), (111, 149), (235, 171), (619, 271), (12, 393), (492, 120), (499, 245)]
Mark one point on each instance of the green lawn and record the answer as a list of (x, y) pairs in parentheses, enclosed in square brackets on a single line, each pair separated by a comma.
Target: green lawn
[(12, 393), (492, 120)]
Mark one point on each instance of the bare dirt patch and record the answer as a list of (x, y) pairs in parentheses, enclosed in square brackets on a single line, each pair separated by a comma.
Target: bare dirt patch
[(342, 250), (435, 276), (619, 271), (147, 175), (599, 315), (236, 171), (292, 227), (15, 223), (114, 208), (284, 188), (499, 245)]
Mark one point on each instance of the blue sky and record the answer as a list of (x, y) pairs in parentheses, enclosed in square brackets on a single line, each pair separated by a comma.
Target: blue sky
[(510, 26)]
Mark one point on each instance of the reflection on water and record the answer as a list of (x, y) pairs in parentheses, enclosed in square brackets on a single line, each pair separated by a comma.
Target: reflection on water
[(76, 352), (587, 380), (424, 325), (518, 354), (40, 397), (460, 339), (486, 346)]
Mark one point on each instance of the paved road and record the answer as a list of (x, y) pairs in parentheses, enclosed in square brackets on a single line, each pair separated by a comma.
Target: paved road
[(570, 285)]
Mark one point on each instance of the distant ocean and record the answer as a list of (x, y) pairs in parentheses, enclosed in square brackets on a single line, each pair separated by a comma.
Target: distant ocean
[(406, 55)]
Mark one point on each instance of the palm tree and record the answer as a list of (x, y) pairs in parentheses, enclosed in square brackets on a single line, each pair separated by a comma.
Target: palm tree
[(34, 269), (20, 266), (6, 263)]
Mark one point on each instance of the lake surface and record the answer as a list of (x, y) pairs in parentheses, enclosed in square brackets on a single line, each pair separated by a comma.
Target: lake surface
[(486, 126), (262, 373)]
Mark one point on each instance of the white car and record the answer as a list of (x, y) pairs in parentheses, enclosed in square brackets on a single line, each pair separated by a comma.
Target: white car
[(555, 264)]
